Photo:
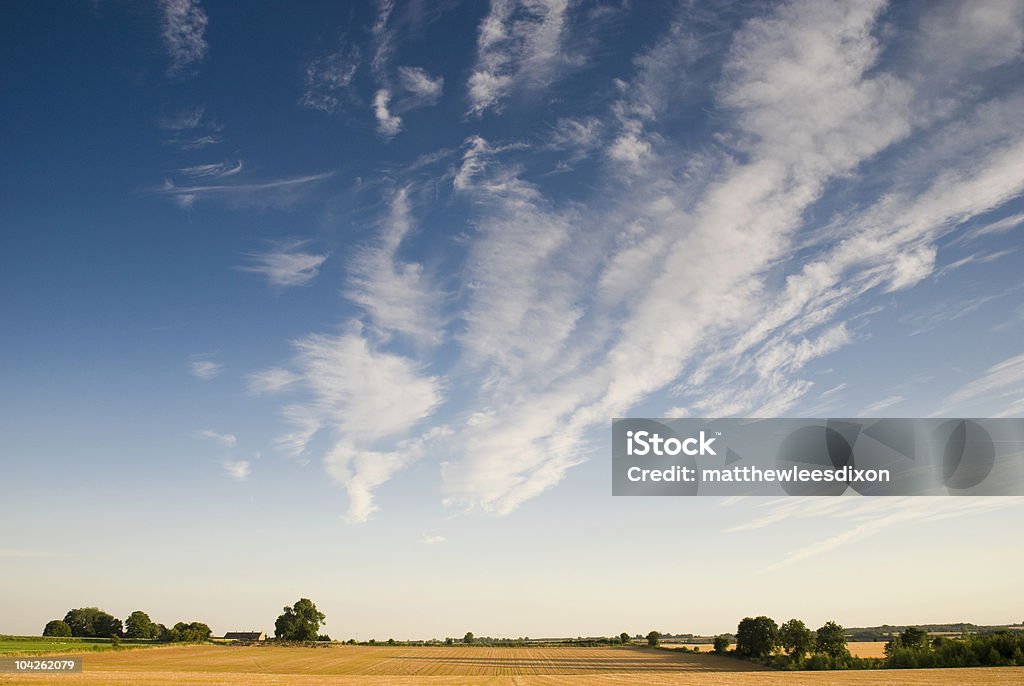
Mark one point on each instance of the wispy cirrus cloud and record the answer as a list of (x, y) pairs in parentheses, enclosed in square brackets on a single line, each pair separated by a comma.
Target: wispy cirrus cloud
[(1001, 384), (205, 369), (273, 380), (239, 470), (191, 129), (360, 395), (328, 78), (520, 45), (688, 294), (713, 270), (422, 89), (226, 440), (213, 170), (184, 33), (388, 124), (286, 264), (859, 518), (274, 192), (874, 408), (398, 295)]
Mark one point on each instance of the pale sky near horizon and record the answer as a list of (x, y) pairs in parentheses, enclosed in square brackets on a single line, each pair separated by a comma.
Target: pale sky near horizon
[(338, 300)]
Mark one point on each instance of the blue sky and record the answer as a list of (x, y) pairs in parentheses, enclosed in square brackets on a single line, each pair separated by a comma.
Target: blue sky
[(367, 283)]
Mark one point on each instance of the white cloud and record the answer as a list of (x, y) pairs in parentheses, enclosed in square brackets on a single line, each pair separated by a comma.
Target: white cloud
[(214, 170), (328, 78), (185, 120), (861, 517), (364, 397), (285, 265), (999, 382), (398, 295), (184, 28), (1003, 225), (873, 409), (274, 192), (226, 440), (578, 136), (432, 539), (239, 470), (383, 38), (366, 394), (807, 106), (423, 89), (273, 380), (958, 37), (388, 124), (520, 44), (712, 271), (205, 369)]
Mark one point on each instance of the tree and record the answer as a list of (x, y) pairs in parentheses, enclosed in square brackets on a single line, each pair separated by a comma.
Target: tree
[(624, 637), (831, 640), (57, 627), (193, 632), (92, 622), (756, 636), (721, 644), (914, 638), (299, 622), (469, 637), (653, 639), (139, 625), (796, 639)]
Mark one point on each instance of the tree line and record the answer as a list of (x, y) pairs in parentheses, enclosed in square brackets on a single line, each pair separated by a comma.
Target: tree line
[(794, 646), (92, 622)]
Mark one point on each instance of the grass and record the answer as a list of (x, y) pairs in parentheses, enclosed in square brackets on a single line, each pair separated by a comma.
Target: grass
[(40, 645), (211, 665)]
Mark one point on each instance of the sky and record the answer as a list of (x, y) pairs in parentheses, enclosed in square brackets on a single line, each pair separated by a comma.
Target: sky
[(338, 300)]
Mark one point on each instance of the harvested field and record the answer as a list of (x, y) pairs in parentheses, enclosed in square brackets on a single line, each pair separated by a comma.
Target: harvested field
[(463, 666), (867, 648)]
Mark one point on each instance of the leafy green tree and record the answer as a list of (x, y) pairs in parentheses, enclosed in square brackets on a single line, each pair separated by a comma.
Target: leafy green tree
[(796, 639), (756, 636), (469, 637), (193, 632), (914, 638), (624, 638), (163, 633), (721, 644), (57, 627), (92, 622), (831, 640), (139, 625), (654, 639), (300, 622)]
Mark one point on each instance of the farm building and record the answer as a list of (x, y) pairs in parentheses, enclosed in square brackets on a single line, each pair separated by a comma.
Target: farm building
[(245, 636)]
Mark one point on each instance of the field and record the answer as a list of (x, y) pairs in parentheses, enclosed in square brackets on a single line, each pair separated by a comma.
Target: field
[(22, 645), (462, 666), (867, 648)]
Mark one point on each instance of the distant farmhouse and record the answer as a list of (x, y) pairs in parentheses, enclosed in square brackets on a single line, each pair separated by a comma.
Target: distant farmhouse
[(245, 636)]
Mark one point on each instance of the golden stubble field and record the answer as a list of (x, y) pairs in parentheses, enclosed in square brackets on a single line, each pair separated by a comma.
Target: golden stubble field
[(463, 666)]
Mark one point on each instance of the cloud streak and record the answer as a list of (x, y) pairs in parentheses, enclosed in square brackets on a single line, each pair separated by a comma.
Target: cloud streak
[(184, 33), (285, 265)]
